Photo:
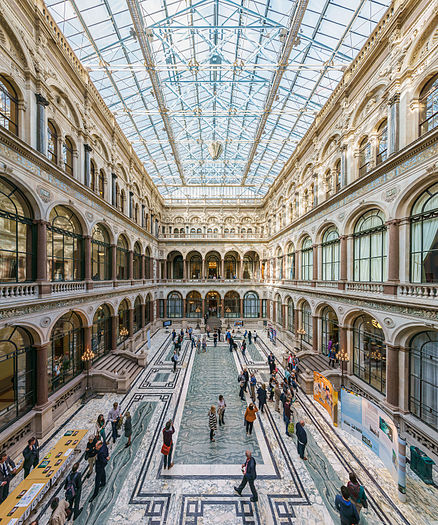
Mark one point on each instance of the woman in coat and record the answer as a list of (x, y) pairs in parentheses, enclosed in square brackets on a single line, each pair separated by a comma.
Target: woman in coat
[(250, 417), (128, 429), (261, 394), (212, 421), (100, 428)]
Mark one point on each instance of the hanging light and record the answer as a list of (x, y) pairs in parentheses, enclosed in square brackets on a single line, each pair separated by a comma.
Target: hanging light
[(215, 149)]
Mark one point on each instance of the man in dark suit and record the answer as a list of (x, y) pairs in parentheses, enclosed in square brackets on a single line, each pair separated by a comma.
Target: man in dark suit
[(7, 472), (301, 439), (249, 476), (102, 459), (271, 362), (31, 455)]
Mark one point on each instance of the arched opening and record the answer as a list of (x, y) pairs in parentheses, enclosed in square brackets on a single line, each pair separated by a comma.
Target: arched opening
[(193, 305), (382, 142), (137, 261), (370, 247), (122, 258), (64, 246), (330, 255), (137, 314), (213, 264), (195, 265), (18, 246), (100, 253), (174, 305), (290, 262), (52, 142), (67, 153), (230, 265), (148, 309), (213, 304), (66, 349), (8, 106), (369, 352), (329, 329), (251, 305), (423, 377), (175, 265), (123, 314), (17, 374), (306, 322), (232, 304), (424, 237), (250, 265), (101, 331), (429, 106), (307, 260), (290, 315)]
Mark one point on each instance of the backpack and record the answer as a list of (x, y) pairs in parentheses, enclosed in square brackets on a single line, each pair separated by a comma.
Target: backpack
[(70, 489)]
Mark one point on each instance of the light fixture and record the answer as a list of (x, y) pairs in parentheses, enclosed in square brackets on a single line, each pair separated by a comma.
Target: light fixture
[(215, 149)]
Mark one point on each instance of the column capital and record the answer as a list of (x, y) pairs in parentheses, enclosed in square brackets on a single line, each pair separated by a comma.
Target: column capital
[(393, 222), (41, 100), (394, 99), (88, 148)]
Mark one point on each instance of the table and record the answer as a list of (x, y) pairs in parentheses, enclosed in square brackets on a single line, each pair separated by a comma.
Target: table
[(40, 479)]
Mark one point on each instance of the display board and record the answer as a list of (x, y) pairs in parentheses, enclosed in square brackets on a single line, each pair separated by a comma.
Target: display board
[(367, 422), (326, 395)]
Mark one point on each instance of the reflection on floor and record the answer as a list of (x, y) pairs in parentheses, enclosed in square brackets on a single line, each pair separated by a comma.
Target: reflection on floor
[(199, 488)]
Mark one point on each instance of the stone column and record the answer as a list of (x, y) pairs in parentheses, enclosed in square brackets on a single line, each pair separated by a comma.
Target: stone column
[(113, 189), (393, 123), (143, 315), (296, 320), (343, 262), (114, 331), (42, 385), (315, 263), (130, 264), (164, 264), (87, 336), (143, 267), (42, 103), (223, 268), (131, 322), (184, 269), (343, 345), (283, 315), (184, 309), (87, 262), (241, 269), (393, 257), (392, 374), (297, 265), (241, 308), (315, 326), (41, 257), (343, 165), (87, 150), (113, 262), (261, 308)]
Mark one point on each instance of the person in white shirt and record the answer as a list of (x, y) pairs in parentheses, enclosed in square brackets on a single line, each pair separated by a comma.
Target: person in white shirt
[(114, 416)]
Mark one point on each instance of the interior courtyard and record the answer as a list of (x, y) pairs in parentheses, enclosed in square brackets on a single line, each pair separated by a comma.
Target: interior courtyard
[(191, 190)]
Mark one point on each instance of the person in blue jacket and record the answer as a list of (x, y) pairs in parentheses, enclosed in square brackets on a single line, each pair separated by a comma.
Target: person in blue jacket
[(249, 476), (347, 511)]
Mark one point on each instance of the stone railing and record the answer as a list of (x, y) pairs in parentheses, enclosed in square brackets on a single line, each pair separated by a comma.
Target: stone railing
[(103, 284), (327, 284), (424, 291), (17, 291), (365, 287), (60, 288)]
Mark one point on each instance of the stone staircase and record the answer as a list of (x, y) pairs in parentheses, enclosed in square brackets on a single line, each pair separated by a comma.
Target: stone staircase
[(315, 362), (214, 323), (115, 372)]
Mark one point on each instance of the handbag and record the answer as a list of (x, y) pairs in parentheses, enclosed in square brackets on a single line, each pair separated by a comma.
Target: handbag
[(362, 499), (291, 427), (165, 449)]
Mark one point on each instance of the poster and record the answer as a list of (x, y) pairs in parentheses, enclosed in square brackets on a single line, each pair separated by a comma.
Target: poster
[(30, 495), (325, 394), (367, 422)]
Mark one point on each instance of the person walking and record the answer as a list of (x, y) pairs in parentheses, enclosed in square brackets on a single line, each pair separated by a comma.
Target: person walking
[(31, 455), (277, 394), (262, 395), (249, 337), (242, 383), (193, 343), (250, 417), (102, 459), (255, 336), (204, 343), (73, 488), (175, 359), (173, 335), (7, 472), (249, 476), (90, 453), (212, 422), (271, 362), (100, 428), (60, 512), (243, 347), (215, 339), (231, 343), (287, 414), (347, 511), (128, 428), (221, 406), (271, 387), (114, 417), (301, 439), (219, 334), (252, 386), (357, 493), (167, 447), (331, 354)]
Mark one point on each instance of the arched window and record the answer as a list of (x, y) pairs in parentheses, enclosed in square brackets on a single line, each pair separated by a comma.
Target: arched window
[(329, 329), (174, 305), (122, 258), (17, 246), (330, 255), (382, 142), (230, 266), (137, 261), (232, 304), (67, 154), (147, 264), (306, 322), (101, 334), (67, 347), (364, 157), (101, 185), (213, 263), (369, 352), (137, 315), (290, 315), (64, 246), (194, 305), (213, 304), (278, 310), (307, 260), (100, 254), (195, 266), (8, 106), (248, 267), (423, 377), (424, 237), (52, 142), (17, 365), (117, 196), (429, 106), (251, 305), (177, 263), (370, 247), (290, 272), (123, 314), (338, 176), (93, 182), (148, 309)]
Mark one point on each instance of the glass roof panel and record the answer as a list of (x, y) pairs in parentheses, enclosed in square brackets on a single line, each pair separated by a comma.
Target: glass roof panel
[(213, 69)]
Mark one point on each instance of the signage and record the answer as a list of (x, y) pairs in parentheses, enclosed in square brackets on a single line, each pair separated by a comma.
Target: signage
[(167, 323), (326, 395)]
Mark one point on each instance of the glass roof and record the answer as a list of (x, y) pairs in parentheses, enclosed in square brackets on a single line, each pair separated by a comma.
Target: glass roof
[(241, 78)]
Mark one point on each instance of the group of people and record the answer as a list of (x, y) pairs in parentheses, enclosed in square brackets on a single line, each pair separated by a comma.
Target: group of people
[(351, 501), (216, 414)]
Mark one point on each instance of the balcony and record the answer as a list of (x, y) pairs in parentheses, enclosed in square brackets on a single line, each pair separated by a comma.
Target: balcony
[(418, 291)]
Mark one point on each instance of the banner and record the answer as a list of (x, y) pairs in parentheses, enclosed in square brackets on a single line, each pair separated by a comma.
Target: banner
[(367, 422), (326, 395)]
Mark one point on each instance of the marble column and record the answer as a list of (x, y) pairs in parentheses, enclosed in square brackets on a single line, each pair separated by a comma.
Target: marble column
[(42, 103), (296, 320), (87, 262), (41, 258), (164, 266), (184, 309), (184, 269), (87, 150), (315, 263), (297, 265), (42, 385), (261, 308), (222, 307), (392, 375), (393, 256), (343, 165), (143, 315), (113, 189), (393, 123), (131, 322), (283, 316), (222, 268), (130, 264), (343, 261), (241, 308), (113, 262), (143, 267), (315, 334), (87, 337), (114, 331)]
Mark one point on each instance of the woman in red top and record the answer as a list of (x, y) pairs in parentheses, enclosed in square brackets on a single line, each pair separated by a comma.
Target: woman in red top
[(168, 444)]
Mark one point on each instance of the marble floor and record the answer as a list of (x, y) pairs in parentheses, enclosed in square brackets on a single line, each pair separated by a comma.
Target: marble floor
[(198, 490)]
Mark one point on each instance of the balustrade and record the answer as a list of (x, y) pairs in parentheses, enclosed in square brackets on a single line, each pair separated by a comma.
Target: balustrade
[(17, 291), (425, 291)]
